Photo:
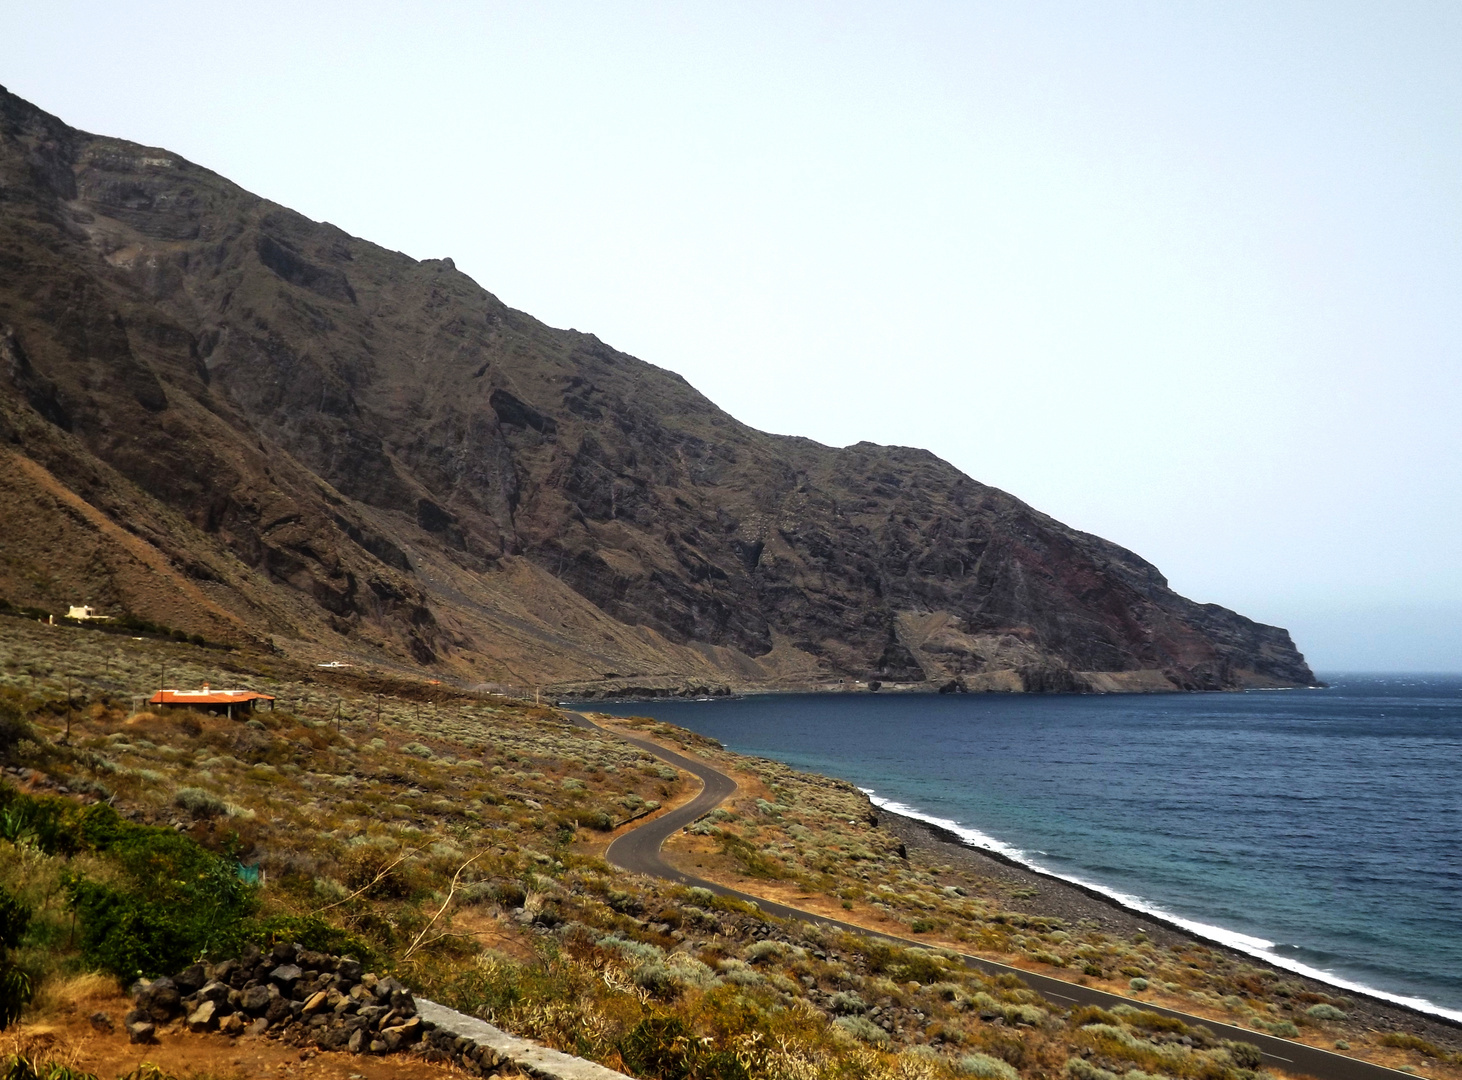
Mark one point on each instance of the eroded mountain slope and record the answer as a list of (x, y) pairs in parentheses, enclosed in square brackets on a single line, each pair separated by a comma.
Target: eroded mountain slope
[(353, 452)]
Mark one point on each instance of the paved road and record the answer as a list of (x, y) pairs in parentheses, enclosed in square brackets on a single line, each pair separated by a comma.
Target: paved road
[(639, 851)]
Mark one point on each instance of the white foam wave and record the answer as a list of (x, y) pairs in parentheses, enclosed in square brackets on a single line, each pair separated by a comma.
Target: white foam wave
[(1246, 943)]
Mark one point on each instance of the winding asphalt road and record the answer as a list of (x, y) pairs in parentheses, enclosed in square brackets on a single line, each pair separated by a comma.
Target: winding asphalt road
[(639, 851)]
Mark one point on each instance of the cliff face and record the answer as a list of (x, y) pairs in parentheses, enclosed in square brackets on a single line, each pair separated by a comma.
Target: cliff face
[(224, 416)]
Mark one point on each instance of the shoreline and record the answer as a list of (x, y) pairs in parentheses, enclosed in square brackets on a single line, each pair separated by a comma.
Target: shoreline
[(573, 695), (1051, 895)]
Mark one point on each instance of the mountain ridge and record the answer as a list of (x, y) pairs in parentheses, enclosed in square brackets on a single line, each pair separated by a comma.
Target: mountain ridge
[(348, 452)]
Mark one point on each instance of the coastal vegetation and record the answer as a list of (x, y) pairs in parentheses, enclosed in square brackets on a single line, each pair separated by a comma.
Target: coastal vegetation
[(455, 839)]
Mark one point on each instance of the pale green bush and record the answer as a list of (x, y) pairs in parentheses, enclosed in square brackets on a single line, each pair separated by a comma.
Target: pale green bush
[(985, 1067), (862, 1029), (199, 803)]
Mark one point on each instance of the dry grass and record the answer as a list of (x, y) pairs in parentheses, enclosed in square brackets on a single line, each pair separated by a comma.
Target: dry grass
[(85, 992)]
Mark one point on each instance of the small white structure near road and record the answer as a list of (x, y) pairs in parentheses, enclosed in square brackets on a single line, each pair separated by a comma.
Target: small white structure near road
[(85, 613)]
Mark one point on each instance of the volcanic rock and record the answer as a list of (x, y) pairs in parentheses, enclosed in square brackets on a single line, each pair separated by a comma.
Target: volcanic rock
[(222, 416)]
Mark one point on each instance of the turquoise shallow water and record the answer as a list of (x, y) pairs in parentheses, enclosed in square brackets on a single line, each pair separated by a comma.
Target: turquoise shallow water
[(1321, 829)]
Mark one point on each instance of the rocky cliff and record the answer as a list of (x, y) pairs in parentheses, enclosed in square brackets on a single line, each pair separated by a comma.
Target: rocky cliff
[(221, 415)]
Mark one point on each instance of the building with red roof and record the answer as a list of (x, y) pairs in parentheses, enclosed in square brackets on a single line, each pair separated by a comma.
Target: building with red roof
[(212, 700)]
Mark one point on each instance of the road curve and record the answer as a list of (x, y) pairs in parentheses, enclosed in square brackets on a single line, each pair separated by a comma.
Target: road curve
[(639, 851)]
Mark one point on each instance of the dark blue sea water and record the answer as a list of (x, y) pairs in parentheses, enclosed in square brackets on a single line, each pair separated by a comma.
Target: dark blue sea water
[(1321, 829)]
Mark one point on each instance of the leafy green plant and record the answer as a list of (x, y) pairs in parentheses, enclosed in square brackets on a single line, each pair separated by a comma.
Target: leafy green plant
[(21, 1067), (176, 900)]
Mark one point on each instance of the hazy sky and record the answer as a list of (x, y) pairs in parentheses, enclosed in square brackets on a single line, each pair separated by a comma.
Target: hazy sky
[(1186, 275)]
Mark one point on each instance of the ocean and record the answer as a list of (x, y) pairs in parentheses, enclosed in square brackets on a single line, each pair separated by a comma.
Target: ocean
[(1320, 830)]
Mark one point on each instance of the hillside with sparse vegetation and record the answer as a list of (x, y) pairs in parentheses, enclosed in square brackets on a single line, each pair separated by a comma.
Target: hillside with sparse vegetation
[(455, 840)]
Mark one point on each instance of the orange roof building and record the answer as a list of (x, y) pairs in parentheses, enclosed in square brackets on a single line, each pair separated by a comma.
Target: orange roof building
[(210, 699)]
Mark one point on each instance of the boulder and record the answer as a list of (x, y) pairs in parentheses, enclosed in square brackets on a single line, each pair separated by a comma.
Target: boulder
[(232, 1024), (349, 969), (204, 1017), (258, 1027), (317, 961), (160, 999), (190, 979), (284, 952), (101, 1022), (257, 998), (316, 1002), (285, 975), (141, 1031), (371, 1014)]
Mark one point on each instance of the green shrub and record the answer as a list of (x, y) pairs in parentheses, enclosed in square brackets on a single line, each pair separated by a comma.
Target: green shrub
[(313, 933), (1244, 1055), (1285, 1029), (15, 916), (14, 727), (1080, 1069), (1404, 1040), (15, 985), (1138, 985), (174, 902), (752, 862), (1323, 1011), (985, 1067), (199, 803), (1093, 1014), (863, 1029), (660, 1046), (590, 817), (845, 1002), (765, 950)]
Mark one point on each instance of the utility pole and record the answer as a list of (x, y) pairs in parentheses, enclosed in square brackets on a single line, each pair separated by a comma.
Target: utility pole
[(68, 710)]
